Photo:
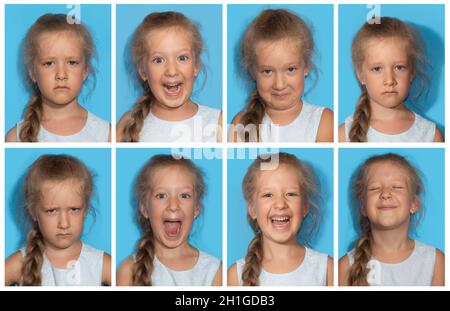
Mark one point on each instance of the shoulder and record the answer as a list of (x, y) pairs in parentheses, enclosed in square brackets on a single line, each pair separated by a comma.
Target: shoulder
[(233, 133), (343, 270), (121, 125), (217, 281), (106, 272), (330, 271), (97, 119), (233, 275), (11, 136), (13, 268), (438, 137), (208, 259), (237, 118), (325, 131), (439, 269), (341, 133), (125, 272)]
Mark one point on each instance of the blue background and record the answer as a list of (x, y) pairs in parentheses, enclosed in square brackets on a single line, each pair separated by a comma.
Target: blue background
[(97, 233), (429, 161), (209, 19), (321, 19), (239, 231), (428, 20), (18, 19), (206, 232)]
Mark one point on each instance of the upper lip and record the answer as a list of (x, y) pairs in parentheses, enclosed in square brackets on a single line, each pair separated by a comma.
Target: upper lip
[(390, 91), (280, 217), (61, 87), (280, 93), (387, 206)]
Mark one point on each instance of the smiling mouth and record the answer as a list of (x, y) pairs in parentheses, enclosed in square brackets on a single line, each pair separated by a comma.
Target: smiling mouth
[(387, 207), (280, 222)]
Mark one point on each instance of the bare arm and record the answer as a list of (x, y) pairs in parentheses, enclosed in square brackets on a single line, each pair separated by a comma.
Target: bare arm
[(330, 272), (125, 273), (341, 133), (11, 136), (325, 131), (232, 276), (218, 277), (344, 269), (439, 269), (106, 273), (13, 269)]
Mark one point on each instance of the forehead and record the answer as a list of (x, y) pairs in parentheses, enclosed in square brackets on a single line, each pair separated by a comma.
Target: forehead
[(60, 42), (387, 170), (283, 175), (61, 192), (285, 49), (168, 38), (172, 175), (385, 48)]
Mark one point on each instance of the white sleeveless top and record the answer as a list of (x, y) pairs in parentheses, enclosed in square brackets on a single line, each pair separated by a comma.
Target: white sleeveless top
[(94, 130), (86, 271), (311, 272), (421, 130), (416, 270), (202, 127), (202, 274), (303, 129)]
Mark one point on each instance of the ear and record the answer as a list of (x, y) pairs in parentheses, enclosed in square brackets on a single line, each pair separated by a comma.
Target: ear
[(142, 73), (31, 75), (143, 211), (197, 68), (415, 206), (251, 211), (305, 210), (85, 73), (197, 210), (32, 214), (360, 77), (307, 70)]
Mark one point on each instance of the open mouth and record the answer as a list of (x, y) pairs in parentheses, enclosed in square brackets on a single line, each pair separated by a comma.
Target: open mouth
[(173, 89), (172, 228), (280, 222)]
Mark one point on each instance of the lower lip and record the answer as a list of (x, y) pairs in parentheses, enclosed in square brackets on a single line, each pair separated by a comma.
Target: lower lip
[(280, 225), (173, 93), (63, 236), (62, 88), (390, 93)]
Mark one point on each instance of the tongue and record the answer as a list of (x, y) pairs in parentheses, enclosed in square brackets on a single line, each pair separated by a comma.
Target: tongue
[(172, 227)]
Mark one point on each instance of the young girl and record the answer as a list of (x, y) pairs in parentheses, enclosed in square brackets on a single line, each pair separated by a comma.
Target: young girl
[(166, 50), (387, 188), (387, 57), (57, 191), (58, 57), (276, 53), (278, 201), (169, 195)]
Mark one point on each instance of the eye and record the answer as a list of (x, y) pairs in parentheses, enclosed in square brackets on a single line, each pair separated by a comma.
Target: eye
[(375, 188), (400, 67), (50, 211), (75, 210), (186, 195), (292, 69), (267, 195), (267, 72), (158, 60), (375, 69), (73, 62), (292, 194), (160, 196), (398, 187), (183, 58), (48, 63)]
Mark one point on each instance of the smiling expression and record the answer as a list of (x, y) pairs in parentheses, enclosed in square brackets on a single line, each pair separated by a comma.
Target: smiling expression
[(59, 68), (278, 205), (280, 73)]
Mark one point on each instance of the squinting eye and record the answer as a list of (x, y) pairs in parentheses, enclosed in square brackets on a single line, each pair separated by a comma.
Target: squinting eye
[(267, 195), (292, 194), (73, 62), (374, 189)]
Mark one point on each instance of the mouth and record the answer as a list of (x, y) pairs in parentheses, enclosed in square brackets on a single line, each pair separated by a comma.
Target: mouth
[(173, 89), (280, 222), (62, 88), (172, 228), (64, 235), (390, 93), (280, 95), (386, 207)]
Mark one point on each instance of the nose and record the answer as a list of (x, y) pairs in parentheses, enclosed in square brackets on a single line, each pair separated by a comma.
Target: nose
[(64, 221), (61, 73), (280, 202), (389, 77), (171, 68), (280, 81), (385, 194), (173, 204)]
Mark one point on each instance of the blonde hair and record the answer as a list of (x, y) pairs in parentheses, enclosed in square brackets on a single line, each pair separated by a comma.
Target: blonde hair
[(48, 23), (271, 25), (139, 45), (309, 191), (388, 27), (363, 246), (57, 168), (143, 264)]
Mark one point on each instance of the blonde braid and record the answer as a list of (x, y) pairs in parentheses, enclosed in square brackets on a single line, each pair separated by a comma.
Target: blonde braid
[(361, 119), (253, 114), (34, 258), (138, 114), (253, 259), (143, 266), (363, 254), (32, 120)]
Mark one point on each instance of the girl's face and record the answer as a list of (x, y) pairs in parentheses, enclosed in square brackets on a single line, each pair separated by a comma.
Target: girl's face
[(389, 201), (171, 206), (59, 68), (170, 67), (386, 72), (280, 73), (61, 214), (277, 204)]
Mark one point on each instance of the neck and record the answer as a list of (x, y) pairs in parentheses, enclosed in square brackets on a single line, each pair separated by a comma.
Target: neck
[(378, 112), (282, 251), (183, 250), (60, 257), (387, 241), (285, 116), (55, 111), (183, 112)]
